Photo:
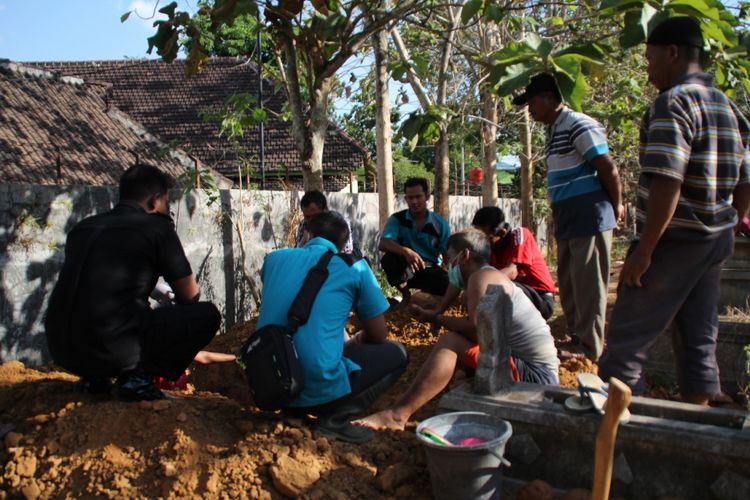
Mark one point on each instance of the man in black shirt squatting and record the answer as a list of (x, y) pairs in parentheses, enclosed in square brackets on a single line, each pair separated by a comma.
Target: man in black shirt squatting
[(99, 323)]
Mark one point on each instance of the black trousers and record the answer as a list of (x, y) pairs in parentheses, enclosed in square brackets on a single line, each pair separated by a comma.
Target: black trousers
[(174, 335), (432, 280), (382, 365)]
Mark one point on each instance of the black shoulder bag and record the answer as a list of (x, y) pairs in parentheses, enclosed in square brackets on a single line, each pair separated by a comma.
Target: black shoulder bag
[(273, 369)]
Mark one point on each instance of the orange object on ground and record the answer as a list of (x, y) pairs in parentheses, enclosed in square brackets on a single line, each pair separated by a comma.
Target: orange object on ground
[(472, 361)]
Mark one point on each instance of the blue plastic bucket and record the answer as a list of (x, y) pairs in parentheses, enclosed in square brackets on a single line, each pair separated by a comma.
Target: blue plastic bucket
[(470, 472)]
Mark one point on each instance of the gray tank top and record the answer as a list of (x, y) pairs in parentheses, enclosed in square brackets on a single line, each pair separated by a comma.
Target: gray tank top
[(530, 337)]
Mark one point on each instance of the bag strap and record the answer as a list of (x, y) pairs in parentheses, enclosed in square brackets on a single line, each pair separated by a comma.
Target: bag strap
[(299, 311)]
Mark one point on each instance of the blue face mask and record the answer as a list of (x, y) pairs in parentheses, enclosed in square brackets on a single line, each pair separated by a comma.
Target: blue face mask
[(455, 278)]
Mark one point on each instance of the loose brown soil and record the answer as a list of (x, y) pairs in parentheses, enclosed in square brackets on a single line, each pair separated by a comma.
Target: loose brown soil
[(212, 443)]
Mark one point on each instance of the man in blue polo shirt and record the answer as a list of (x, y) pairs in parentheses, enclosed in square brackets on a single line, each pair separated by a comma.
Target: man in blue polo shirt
[(586, 196), (414, 244), (342, 377)]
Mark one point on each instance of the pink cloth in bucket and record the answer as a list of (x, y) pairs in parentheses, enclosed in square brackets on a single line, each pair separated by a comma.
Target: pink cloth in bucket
[(471, 441)]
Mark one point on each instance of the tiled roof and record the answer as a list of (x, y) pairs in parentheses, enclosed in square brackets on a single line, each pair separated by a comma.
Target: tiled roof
[(50, 124), (169, 105)]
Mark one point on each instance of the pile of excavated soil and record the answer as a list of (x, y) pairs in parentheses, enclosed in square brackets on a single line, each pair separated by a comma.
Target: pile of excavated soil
[(211, 443)]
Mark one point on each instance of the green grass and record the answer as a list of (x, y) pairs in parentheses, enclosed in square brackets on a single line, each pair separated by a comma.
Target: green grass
[(620, 245)]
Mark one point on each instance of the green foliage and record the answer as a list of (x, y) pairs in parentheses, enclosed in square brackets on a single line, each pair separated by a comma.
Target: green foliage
[(470, 9), (236, 39), (182, 29), (189, 181), (360, 121), (403, 168), (239, 113), (424, 125), (576, 57)]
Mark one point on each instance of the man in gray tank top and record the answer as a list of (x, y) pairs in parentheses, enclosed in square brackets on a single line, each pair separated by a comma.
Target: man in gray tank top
[(532, 347)]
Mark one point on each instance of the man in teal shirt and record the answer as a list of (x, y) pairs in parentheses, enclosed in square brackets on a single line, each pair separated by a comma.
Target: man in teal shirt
[(414, 244), (343, 377)]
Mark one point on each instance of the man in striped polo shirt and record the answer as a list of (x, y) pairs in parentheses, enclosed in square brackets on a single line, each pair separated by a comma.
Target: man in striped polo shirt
[(695, 180), (586, 196)]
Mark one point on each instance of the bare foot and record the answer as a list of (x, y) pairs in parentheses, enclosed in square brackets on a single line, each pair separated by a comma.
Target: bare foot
[(208, 357), (386, 419)]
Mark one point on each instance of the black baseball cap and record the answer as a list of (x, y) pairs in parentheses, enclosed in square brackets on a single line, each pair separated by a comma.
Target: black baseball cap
[(543, 82), (677, 31)]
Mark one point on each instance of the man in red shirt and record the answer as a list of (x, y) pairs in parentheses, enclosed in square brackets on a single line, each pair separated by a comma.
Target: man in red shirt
[(515, 253)]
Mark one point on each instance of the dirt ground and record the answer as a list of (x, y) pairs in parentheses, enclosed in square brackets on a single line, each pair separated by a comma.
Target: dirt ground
[(212, 443)]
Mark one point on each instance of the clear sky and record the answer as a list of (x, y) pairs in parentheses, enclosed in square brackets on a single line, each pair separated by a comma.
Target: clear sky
[(62, 30)]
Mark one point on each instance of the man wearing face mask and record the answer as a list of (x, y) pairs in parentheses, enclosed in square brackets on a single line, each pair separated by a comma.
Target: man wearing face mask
[(513, 251), (532, 346)]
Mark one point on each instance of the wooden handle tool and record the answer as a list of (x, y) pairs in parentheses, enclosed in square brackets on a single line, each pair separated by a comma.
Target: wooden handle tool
[(617, 402)]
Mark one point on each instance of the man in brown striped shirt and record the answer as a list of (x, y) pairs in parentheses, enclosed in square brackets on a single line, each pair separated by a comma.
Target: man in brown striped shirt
[(693, 189)]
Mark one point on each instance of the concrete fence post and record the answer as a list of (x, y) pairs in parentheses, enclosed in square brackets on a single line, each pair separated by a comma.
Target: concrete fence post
[(493, 325)]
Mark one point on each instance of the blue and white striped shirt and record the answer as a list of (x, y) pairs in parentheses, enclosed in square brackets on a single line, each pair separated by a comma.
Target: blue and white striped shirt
[(580, 204)]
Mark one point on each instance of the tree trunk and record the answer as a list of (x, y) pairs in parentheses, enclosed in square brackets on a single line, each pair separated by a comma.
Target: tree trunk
[(312, 157), (489, 147), (527, 173), (442, 162), (442, 173), (383, 133), (489, 40)]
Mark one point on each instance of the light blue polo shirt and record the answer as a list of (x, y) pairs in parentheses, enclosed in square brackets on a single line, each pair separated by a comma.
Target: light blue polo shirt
[(429, 243), (580, 204), (320, 341)]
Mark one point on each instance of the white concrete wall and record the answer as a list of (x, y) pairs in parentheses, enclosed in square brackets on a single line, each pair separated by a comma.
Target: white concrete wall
[(35, 219)]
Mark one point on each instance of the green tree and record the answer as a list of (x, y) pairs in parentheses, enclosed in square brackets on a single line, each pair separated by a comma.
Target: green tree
[(311, 41)]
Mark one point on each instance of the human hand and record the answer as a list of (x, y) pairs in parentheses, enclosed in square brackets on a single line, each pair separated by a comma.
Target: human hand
[(414, 260), (357, 338), (620, 212), (306, 236), (422, 314), (208, 357), (635, 266)]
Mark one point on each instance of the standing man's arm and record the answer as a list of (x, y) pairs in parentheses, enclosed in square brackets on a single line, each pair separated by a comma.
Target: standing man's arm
[(664, 193), (610, 179)]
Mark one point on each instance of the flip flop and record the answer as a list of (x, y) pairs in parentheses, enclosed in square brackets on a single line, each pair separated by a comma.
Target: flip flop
[(578, 404), (592, 388)]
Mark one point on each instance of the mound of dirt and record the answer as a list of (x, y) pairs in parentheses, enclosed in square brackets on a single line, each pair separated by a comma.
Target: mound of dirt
[(206, 444), (211, 443)]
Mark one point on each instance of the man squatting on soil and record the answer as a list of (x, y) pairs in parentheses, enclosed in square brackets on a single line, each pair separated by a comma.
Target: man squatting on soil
[(342, 379), (693, 191), (533, 348), (414, 244), (99, 324)]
